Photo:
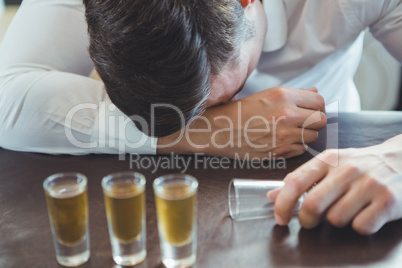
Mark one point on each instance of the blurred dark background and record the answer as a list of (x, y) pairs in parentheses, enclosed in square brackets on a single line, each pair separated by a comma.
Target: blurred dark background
[(13, 2), (399, 106)]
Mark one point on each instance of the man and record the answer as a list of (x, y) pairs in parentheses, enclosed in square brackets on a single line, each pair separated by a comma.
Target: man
[(218, 45)]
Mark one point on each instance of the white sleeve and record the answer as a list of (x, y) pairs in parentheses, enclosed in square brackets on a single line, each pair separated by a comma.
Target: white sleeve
[(384, 18), (47, 102)]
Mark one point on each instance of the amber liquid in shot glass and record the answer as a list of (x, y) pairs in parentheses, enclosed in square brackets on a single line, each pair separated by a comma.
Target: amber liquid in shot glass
[(176, 207), (124, 195), (67, 203)]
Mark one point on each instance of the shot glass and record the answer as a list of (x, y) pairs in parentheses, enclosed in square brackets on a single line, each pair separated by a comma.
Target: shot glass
[(67, 204), (248, 199), (124, 195), (176, 209)]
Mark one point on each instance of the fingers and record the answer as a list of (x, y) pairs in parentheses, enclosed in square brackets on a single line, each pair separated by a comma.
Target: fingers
[(305, 136), (292, 141), (350, 195), (313, 89), (349, 205), (309, 119), (370, 220), (308, 99), (383, 208), (273, 194), (325, 194), (301, 118), (288, 136), (297, 183), (289, 151), (353, 191)]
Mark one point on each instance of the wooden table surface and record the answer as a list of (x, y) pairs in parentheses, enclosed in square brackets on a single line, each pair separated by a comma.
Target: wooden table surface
[(25, 236)]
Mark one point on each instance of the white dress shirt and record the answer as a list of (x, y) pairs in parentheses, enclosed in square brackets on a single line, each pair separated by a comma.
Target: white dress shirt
[(323, 46), (48, 104)]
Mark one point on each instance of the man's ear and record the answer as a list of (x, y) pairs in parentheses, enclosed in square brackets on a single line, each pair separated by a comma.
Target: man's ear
[(245, 3)]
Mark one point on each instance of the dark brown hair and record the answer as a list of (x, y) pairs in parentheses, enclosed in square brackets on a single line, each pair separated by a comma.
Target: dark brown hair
[(162, 52)]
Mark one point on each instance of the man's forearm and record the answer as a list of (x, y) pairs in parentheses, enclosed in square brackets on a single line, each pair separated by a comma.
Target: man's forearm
[(266, 123)]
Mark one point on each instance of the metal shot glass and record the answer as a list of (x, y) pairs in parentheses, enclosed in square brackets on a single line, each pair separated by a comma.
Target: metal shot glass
[(124, 195), (176, 207), (67, 204), (248, 199)]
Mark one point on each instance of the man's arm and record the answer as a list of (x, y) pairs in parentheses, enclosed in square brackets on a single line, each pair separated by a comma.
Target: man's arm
[(384, 21), (47, 102), (365, 188), (268, 124)]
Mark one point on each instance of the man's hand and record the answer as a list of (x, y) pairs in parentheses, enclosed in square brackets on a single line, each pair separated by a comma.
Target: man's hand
[(364, 189), (270, 121)]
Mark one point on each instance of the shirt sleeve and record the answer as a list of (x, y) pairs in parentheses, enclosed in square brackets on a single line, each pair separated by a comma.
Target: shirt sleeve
[(48, 103), (384, 18)]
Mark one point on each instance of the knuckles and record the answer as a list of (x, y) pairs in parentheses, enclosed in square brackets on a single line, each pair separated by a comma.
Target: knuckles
[(312, 204), (279, 94), (324, 121), (321, 102), (284, 115), (347, 174), (330, 156), (336, 218), (370, 184), (387, 200), (366, 228)]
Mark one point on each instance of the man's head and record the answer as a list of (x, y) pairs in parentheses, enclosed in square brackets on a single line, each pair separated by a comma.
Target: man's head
[(183, 53)]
